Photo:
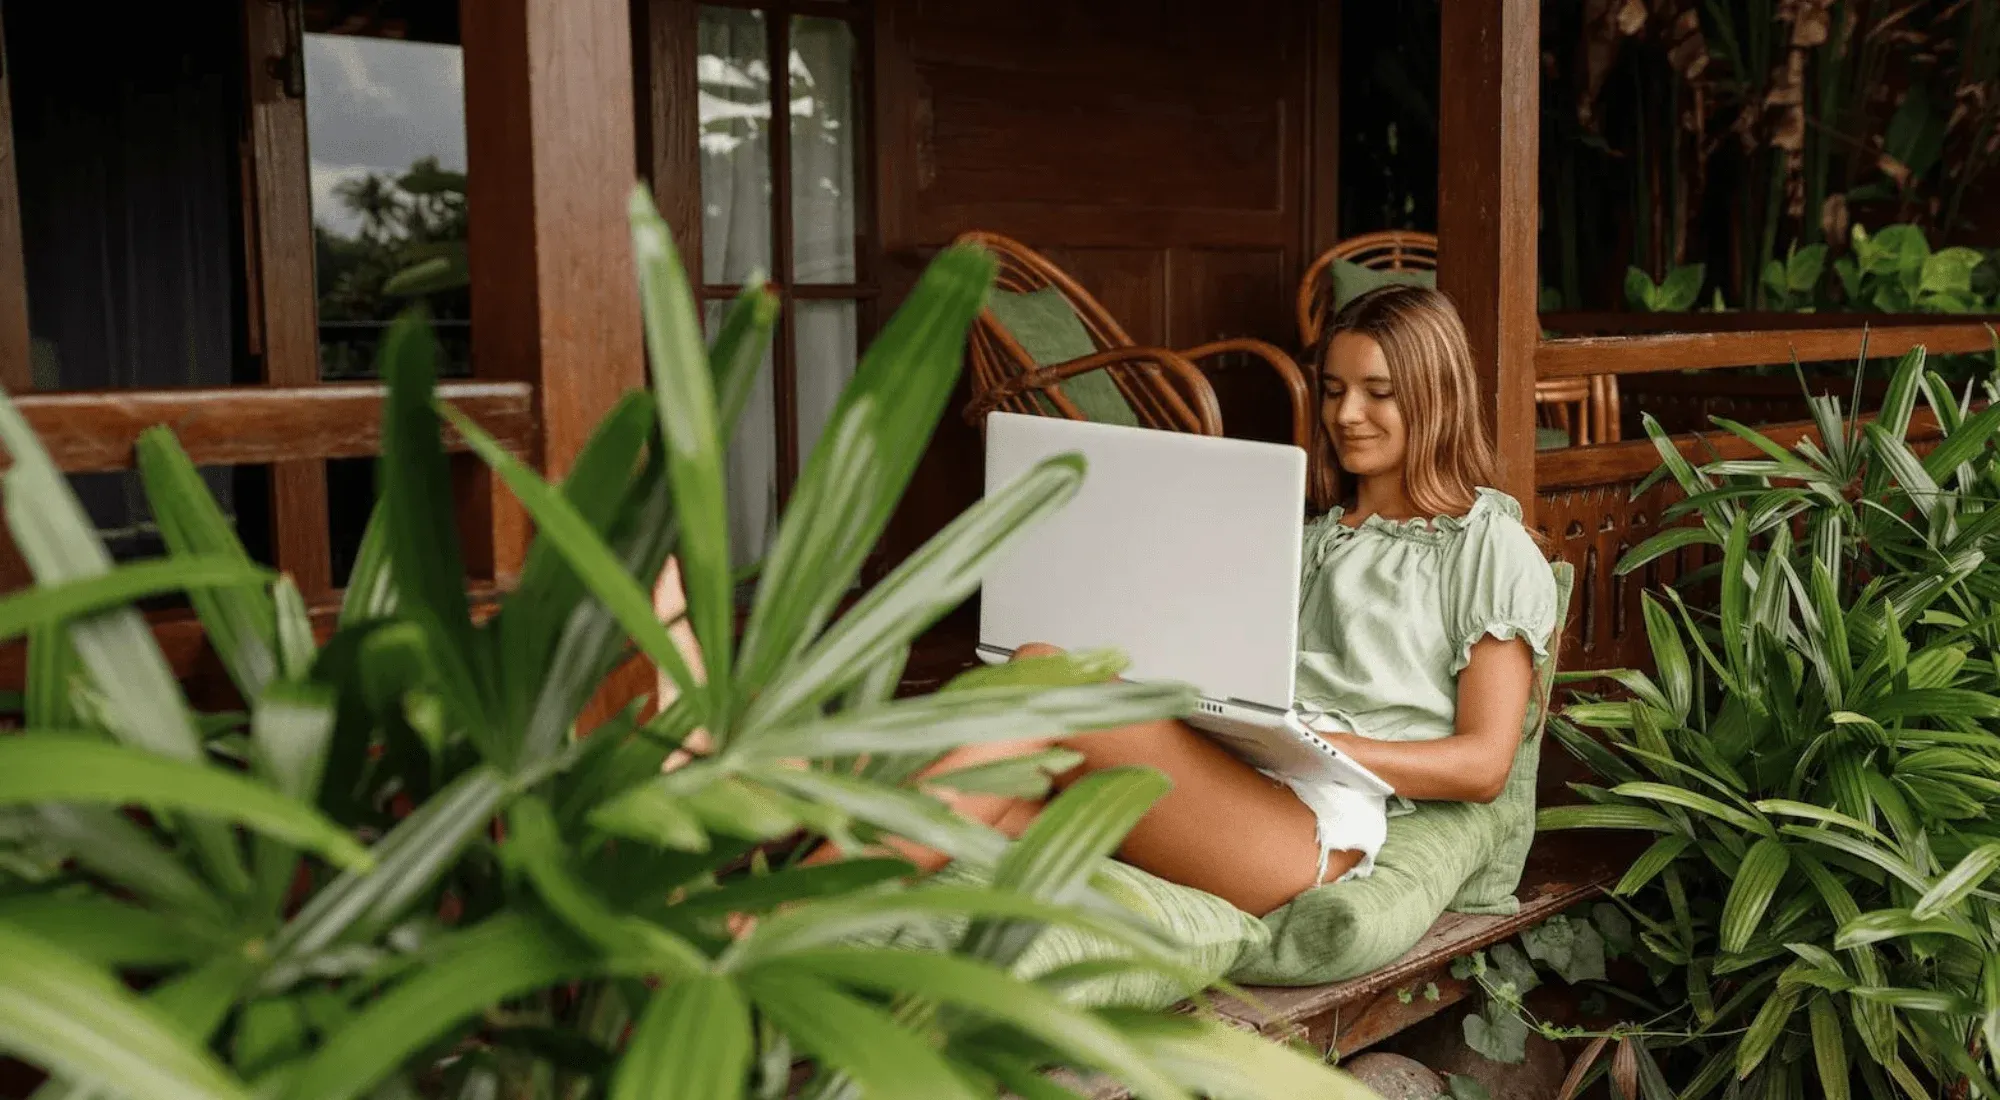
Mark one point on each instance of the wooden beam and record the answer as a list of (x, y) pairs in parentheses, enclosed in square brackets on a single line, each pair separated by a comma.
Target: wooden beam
[(1323, 143), (1598, 323), (281, 219), (1576, 356), (248, 425), (665, 43), (16, 365), (1488, 122), (551, 160), (1625, 463)]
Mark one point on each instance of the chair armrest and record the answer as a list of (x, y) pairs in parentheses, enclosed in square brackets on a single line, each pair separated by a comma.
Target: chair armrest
[(1164, 388), (1296, 390)]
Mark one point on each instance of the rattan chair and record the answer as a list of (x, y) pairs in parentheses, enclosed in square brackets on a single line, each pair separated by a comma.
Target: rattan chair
[(1165, 387), (1594, 399)]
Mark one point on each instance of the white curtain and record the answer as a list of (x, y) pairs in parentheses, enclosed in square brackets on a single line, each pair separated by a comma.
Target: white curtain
[(736, 187)]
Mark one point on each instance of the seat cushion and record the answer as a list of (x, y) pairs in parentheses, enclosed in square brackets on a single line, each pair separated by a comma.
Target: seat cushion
[(1045, 326), (1351, 281)]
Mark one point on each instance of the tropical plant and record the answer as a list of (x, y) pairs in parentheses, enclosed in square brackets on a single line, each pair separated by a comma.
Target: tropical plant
[(1818, 759), (1674, 294), (402, 871)]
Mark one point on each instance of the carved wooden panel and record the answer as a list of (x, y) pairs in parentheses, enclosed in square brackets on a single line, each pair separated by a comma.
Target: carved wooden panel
[(1592, 529)]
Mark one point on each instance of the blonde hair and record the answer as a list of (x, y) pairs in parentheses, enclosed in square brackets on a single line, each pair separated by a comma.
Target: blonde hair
[(1450, 452)]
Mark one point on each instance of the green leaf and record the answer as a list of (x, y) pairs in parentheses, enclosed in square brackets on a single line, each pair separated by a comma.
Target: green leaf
[(1879, 856), (1603, 817), (1054, 670), (240, 620), (1692, 800), (49, 604), (653, 813), (104, 932), (1670, 657), (107, 844), (763, 893), (1062, 848), (991, 992), (408, 861), (937, 578), (1028, 776), (1970, 873), (849, 1035), (874, 437), (738, 352), (1669, 541), (1764, 1030), (1650, 863), (1216, 1060), (1571, 947), (1680, 288), (502, 957), (1756, 882), (1949, 271), (905, 813), (1889, 924), (556, 519), (371, 590), (684, 393), (1989, 1001), (40, 767), (535, 847), (1640, 292), (1829, 1048), (422, 532), (60, 1013), (693, 1042), (1787, 808), (945, 720), (1917, 1000)]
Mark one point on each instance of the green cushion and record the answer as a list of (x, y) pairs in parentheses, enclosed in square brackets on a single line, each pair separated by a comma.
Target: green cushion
[(1351, 281), (1461, 856), (1045, 326), (1213, 935), (1551, 439)]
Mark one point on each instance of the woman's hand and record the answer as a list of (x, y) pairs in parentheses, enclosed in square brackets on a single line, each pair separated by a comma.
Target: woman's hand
[(1472, 764), (670, 604)]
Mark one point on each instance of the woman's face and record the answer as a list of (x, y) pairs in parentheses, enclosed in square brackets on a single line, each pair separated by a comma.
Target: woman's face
[(1359, 407)]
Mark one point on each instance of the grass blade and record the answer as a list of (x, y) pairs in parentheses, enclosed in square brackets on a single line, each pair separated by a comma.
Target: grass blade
[(1756, 883), (1971, 873), (693, 1042), (849, 1035), (945, 720), (50, 604)]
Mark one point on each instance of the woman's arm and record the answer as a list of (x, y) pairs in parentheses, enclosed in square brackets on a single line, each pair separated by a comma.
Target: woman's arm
[(670, 604), (1473, 763)]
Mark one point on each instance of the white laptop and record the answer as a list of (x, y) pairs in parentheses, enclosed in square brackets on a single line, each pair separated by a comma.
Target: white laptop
[(1181, 551)]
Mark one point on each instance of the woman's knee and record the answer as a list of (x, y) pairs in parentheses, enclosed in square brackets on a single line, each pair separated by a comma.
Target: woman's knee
[(1037, 649)]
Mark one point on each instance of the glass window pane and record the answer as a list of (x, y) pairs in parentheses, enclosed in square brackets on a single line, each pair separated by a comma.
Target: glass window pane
[(385, 121), (823, 144), (735, 113), (751, 469), (826, 353)]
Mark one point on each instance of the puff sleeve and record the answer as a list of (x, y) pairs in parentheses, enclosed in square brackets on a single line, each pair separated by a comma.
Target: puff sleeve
[(1497, 583)]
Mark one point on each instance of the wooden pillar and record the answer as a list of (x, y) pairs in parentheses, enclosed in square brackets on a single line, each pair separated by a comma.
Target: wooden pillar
[(283, 303), (1489, 142), (550, 164), (16, 372)]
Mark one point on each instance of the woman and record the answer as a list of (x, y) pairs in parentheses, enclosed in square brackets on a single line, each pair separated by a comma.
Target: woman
[(1422, 607)]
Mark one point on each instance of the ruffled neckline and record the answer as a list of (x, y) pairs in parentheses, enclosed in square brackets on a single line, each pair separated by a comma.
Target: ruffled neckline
[(1434, 530)]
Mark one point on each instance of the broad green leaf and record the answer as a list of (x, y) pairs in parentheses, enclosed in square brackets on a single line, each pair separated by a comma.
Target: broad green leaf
[(946, 720), (684, 393), (557, 520), (534, 846), (1216, 1060), (693, 1042), (1750, 894), (875, 435), (1062, 848), (991, 992), (407, 862), (47, 604), (1829, 1048), (371, 590), (1889, 924), (853, 1037), (58, 1012), (1031, 775), (1650, 863), (40, 767), (240, 620), (503, 957), (1971, 872), (1765, 1030), (937, 578), (1603, 817), (422, 531), (103, 932), (1693, 800)]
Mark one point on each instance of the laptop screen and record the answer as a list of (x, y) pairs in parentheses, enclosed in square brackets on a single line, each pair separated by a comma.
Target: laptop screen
[(1180, 550)]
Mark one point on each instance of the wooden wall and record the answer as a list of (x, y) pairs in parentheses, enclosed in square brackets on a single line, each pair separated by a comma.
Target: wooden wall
[(1160, 150)]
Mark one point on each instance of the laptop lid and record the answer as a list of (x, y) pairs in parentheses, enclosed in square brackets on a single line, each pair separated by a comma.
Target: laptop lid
[(1181, 550)]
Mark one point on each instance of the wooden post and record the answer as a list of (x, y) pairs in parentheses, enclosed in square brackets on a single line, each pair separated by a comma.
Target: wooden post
[(16, 372), (551, 160), (284, 304), (1489, 142)]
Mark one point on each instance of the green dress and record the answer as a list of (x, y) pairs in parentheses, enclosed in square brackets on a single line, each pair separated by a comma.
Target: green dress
[(1389, 612)]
